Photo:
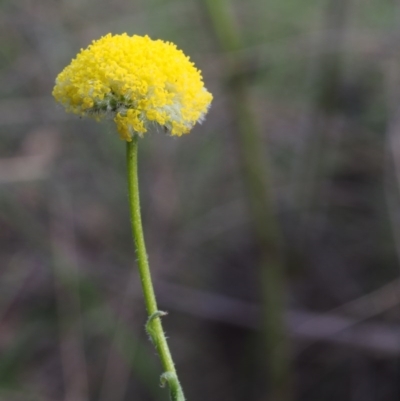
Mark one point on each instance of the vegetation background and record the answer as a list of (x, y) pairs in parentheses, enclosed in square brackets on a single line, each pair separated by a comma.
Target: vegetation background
[(273, 229)]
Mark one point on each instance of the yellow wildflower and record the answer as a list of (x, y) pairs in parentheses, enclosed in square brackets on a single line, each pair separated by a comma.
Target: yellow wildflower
[(138, 82)]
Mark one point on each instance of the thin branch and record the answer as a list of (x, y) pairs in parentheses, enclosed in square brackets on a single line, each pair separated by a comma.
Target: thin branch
[(303, 326)]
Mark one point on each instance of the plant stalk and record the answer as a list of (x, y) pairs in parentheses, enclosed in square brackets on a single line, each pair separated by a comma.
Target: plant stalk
[(258, 182), (154, 325)]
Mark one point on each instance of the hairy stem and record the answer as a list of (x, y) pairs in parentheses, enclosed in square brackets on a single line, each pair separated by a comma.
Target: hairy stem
[(153, 326)]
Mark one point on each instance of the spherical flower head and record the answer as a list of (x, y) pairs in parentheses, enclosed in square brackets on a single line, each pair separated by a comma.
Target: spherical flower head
[(137, 81)]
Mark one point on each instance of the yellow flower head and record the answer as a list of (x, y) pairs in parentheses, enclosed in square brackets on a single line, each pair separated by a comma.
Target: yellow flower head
[(138, 82)]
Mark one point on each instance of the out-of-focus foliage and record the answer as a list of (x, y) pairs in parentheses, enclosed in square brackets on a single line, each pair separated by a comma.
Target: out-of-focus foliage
[(322, 79)]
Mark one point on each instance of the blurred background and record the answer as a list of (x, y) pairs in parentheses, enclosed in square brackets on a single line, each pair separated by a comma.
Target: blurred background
[(273, 229)]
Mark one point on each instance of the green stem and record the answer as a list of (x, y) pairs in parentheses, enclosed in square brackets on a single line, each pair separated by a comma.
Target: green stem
[(259, 185), (153, 326)]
